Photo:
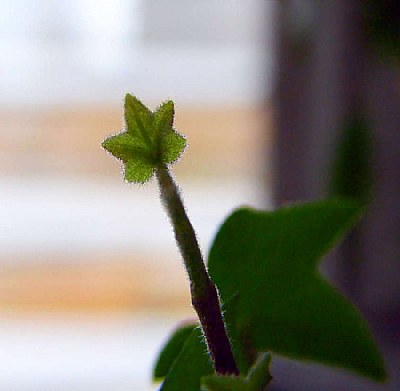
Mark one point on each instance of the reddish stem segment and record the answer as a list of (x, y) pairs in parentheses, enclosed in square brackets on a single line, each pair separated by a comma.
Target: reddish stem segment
[(205, 299)]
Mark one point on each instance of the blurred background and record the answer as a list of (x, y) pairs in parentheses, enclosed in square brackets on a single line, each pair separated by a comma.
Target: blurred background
[(90, 280)]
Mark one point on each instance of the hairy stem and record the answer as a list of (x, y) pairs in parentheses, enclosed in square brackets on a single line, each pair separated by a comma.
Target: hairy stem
[(205, 299)]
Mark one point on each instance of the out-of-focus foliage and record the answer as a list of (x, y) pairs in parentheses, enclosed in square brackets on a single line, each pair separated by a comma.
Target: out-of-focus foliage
[(170, 351), (190, 365), (352, 175), (381, 22)]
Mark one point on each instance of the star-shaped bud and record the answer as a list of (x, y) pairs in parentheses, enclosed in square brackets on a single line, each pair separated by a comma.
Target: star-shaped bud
[(148, 140)]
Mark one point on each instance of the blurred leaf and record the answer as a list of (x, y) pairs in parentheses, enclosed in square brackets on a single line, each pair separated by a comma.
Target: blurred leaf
[(380, 22), (171, 350), (139, 121), (269, 261), (190, 365), (352, 168), (257, 379), (148, 141)]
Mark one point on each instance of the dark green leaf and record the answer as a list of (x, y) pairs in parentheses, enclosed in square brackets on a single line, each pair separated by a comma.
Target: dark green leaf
[(269, 261), (259, 375), (257, 379), (352, 167), (190, 366), (171, 350), (224, 383)]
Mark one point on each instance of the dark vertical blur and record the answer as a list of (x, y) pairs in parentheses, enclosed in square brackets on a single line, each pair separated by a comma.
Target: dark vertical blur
[(338, 60)]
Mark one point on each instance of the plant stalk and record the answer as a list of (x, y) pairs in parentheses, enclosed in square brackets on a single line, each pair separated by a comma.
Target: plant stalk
[(205, 299)]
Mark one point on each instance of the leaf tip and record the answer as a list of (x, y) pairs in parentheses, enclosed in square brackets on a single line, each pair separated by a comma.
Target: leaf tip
[(105, 144), (129, 98), (377, 370), (167, 105), (129, 101)]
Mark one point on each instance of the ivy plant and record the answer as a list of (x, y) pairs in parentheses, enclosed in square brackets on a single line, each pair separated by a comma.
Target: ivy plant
[(261, 292)]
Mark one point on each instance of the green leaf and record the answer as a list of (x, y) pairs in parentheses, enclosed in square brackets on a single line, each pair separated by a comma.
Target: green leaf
[(269, 261), (190, 366), (171, 350), (173, 146), (138, 171), (256, 380), (182, 348), (139, 121), (148, 142), (172, 143), (223, 383), (164, 116)]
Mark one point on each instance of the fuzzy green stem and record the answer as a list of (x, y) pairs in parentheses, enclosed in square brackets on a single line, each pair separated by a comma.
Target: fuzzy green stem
[(205, 299)]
